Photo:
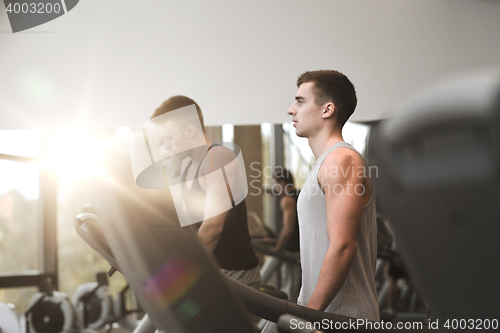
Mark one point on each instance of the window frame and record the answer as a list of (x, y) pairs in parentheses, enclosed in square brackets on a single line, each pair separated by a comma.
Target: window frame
[(47, 228)]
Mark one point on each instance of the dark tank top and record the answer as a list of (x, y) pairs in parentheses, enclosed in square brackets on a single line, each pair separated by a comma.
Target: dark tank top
[(233, 251)]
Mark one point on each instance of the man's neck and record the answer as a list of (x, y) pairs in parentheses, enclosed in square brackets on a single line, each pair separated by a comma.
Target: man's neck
[(320, 142)]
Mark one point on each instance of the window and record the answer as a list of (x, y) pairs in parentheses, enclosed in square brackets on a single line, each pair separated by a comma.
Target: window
[(19, 216), (298, 157), (20, 297), (78, 155)]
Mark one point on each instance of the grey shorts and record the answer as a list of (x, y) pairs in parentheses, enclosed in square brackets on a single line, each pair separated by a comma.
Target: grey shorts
[(250, 277)]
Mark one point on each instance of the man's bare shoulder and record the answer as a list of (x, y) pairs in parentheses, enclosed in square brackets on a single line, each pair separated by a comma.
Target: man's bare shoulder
[(343, 157), (341, 164)]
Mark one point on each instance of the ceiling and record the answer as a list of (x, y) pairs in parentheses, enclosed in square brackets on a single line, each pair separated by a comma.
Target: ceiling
[(111, 63)]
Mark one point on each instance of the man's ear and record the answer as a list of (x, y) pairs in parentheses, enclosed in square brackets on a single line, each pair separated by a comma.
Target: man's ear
[(328, 110)]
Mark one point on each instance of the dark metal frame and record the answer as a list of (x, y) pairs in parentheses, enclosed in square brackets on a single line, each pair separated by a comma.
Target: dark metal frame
[(277, 160)]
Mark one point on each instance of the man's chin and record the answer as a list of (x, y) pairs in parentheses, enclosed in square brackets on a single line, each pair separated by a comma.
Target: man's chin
[(299, 134)]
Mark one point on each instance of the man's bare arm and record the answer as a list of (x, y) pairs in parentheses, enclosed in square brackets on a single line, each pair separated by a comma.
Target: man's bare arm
[(343, 214), (211, 230), (217, 198)]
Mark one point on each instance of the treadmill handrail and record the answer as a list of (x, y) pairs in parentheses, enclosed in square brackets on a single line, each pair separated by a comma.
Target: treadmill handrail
[(87, 226)]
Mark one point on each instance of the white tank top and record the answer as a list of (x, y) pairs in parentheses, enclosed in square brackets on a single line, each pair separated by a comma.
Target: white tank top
[(358, 296)]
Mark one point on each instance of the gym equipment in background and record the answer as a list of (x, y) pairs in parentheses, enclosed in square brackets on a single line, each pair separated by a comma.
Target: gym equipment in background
[(96, 307), (50, 311), (94, 303), (10, 320)]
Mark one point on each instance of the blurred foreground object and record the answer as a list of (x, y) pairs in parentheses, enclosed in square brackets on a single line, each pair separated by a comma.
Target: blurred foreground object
[(438, 182)]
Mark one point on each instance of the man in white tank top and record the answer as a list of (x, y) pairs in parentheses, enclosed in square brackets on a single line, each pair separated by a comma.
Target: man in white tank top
[(336, 208)]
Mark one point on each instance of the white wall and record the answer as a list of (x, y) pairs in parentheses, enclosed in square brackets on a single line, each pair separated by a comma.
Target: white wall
[(110, 63)]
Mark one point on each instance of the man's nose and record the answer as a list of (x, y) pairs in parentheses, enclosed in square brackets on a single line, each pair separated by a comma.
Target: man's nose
[(290, 110)]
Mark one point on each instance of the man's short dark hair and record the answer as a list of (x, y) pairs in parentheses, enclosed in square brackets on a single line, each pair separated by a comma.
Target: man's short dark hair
[(283, 174), (177, 102), (332, 86)]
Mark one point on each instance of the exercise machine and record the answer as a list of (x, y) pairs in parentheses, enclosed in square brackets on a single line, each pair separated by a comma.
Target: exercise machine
[(274, 262), (96, 307), (10, 320), (51, 311), (94, 303)]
